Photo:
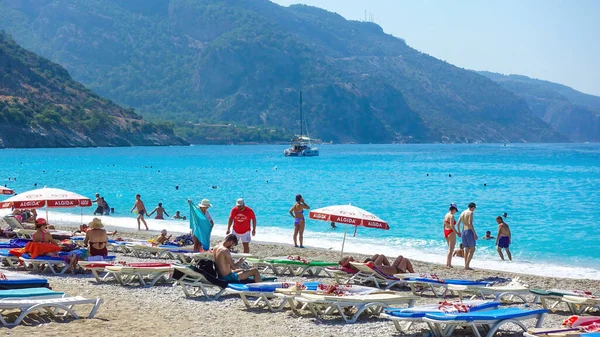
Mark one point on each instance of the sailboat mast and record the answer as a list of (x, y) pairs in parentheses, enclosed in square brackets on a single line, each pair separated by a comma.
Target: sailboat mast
[(301, 120)]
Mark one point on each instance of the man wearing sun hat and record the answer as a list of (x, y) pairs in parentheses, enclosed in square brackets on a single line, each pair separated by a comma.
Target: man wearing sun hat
[(241, 217)]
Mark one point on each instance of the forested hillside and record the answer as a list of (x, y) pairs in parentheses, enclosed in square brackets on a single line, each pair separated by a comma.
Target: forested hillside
[(204, 62)]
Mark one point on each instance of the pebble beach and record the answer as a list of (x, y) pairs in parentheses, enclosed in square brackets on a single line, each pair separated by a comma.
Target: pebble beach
[(163, 310)]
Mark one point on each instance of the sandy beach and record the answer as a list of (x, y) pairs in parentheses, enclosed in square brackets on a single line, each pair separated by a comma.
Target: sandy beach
[(164, 311)]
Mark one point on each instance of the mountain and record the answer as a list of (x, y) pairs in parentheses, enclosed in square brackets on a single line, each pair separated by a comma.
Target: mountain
[(570, 112), (200, 63), (41, 106)]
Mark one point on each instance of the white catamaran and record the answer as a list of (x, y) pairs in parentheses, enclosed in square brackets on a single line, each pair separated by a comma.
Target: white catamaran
[(301, 146)]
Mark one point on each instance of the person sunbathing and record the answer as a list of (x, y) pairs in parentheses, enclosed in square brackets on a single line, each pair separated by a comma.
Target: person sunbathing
[(401, 265), (97, 238), (226, 268), (162, 238), (41, 234)]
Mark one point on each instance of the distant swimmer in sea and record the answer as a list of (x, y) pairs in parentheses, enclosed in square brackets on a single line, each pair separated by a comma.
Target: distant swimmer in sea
[(141, 209), (100, 208), (460, 252), (178, 216), (505, 215), (468, 235), (504, 238), (488, 235), (159, 210), (450, 233), (333, 225), (297, 212)]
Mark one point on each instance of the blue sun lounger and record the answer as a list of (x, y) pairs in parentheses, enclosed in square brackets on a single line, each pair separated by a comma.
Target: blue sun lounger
[(418, 285), (17, 281), (416, 314), (30, 293), (444, 324), (265, 293)]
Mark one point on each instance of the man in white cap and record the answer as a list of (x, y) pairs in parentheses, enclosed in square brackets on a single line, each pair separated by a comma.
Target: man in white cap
[(241, 217)]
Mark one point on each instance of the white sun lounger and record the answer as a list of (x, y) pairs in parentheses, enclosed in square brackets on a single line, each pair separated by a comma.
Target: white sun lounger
[(581, 304), (56, 307), (56, 265), (147, 251), (443, 324), (146, 276), (416, 314), (552, 298), (194, 284), (97, 267), (498, 292), (373, 303)]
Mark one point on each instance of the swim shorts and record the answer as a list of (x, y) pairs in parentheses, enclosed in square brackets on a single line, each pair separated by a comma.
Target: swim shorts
[(245, 237), (468, 238), (503, 242), (232, 277)]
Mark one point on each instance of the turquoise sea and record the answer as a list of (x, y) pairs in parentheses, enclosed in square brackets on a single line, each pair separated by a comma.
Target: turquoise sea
[(551, 193)]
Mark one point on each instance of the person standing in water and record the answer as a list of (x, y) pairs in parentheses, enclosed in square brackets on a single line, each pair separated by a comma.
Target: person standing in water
[(297, 212), (450, 233), (503, 238), (468, 235), (159, 210), (141, 209)]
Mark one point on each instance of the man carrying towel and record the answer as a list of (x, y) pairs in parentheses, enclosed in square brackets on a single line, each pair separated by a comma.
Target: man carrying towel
[(240, 217)]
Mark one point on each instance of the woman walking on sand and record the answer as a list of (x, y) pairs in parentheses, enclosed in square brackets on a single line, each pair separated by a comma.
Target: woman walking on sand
[(450, 233), (297, 212)]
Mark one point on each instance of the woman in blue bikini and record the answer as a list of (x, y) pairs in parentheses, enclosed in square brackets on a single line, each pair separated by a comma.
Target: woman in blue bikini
[(297, 212)]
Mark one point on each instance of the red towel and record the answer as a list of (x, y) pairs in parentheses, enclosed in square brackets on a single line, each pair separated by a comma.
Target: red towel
[(36, 249)]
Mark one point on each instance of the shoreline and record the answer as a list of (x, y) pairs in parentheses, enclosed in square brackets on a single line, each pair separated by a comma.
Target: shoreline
[(333, 241), (126, 309), (334, 254)]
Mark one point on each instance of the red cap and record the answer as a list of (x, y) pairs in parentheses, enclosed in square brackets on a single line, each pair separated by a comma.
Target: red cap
[(41, 221)]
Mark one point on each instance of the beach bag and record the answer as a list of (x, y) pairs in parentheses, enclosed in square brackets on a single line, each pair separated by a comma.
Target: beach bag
[(208, 266)]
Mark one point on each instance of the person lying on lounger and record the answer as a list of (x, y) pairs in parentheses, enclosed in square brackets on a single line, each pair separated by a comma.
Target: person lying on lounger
[(226, 268), (400, 266)]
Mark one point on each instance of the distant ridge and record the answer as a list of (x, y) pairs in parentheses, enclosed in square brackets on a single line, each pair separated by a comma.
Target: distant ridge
[(202, 62), (570, 112)]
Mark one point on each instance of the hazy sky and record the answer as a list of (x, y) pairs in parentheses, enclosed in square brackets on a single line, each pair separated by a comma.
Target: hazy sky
[(554, 40)]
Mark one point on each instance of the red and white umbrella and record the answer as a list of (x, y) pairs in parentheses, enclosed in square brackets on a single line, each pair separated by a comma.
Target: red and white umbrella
[(46, 197), (349, 215), (6, 191)]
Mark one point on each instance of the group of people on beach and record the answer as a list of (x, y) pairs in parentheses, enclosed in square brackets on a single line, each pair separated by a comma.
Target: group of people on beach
[(469, 236)]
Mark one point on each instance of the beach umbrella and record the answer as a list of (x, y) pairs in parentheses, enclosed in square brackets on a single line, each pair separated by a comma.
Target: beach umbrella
[(6, 191), (349, 215), (46, 197)]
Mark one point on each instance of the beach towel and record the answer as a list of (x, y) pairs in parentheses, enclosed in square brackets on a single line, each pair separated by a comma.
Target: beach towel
[(200, 226), (36, 249)]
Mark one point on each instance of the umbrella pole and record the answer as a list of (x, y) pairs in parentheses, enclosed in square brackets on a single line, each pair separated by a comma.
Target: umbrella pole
[(47, 214), (344, 242)]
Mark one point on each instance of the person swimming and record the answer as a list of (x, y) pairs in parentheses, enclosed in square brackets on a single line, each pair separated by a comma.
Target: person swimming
[(159, 210), (488, 235)]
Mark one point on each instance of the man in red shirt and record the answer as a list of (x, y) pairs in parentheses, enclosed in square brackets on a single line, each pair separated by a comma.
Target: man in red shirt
[(241, 216)]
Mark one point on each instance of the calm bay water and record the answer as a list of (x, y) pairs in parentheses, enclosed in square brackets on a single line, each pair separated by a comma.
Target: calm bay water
[(551, 193)]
